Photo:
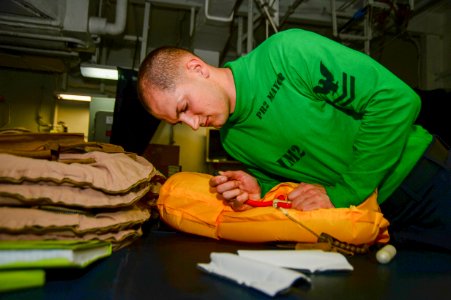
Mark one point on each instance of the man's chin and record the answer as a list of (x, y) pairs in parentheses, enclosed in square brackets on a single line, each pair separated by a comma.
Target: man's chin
[(218, 125)]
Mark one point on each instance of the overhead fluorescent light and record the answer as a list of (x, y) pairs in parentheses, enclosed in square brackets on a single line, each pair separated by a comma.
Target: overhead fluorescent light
[(99, 71), (74, 97)]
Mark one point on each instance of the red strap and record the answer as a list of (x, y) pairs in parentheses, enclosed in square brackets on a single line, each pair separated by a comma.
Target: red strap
[(280, 201), (259, 203)]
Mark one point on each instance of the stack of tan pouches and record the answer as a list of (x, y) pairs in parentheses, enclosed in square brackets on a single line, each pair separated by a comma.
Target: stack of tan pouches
[(58, 187)]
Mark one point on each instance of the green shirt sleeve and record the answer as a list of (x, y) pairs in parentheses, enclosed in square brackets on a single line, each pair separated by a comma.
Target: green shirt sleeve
[(265, 180)]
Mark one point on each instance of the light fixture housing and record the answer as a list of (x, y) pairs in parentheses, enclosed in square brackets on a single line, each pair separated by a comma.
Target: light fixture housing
[(99, 71), (74, 97)]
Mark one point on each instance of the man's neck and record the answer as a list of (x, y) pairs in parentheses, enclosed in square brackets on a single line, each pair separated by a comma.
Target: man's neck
[(229, 86)]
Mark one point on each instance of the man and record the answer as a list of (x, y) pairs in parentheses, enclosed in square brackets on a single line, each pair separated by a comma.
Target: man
[(306, 109)]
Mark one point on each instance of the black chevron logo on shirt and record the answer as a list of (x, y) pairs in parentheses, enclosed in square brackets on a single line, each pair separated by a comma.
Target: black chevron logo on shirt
[(342, 99), (327, 85)]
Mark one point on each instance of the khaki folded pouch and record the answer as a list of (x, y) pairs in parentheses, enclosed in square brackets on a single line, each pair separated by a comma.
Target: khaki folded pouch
[(110, 173), (118, 239), (40, 221), (83, 196), (21, 140), (68, 196), (120, 227), (113, 237)]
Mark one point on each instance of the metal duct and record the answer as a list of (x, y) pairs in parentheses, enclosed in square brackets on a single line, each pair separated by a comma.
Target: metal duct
[(213, 28), (100, 26), (52, 24)]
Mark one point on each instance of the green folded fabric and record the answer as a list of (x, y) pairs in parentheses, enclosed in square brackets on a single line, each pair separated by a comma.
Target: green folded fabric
[(20, 279), (51, 254)]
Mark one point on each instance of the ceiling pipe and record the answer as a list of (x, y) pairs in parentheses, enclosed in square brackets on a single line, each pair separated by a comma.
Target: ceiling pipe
[(145, 32), (100, 26), (264, 6)]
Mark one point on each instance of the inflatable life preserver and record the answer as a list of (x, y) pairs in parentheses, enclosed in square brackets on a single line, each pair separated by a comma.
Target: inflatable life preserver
[(187, 203)]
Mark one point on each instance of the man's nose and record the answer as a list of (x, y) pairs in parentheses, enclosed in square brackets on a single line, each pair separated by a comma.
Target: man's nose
[(190, 121)]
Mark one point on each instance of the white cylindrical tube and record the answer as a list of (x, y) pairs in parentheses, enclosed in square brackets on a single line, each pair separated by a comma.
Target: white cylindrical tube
[(386, 254)]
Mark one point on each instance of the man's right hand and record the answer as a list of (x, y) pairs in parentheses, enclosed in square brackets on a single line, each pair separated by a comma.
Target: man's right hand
[(235, 188)]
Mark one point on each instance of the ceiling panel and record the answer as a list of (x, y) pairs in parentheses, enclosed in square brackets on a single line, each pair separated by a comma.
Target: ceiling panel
[(59, 29)]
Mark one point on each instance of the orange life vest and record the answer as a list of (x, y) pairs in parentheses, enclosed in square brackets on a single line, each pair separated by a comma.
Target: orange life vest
[(187, 203)]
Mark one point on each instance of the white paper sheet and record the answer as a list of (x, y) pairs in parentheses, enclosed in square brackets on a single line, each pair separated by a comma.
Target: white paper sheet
[(266, 278), (311, 260)]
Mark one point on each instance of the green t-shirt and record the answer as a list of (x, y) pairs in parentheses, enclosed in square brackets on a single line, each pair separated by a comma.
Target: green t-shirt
[(309, 109)]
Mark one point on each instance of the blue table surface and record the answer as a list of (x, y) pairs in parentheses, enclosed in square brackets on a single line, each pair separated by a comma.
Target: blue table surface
[(162, 265)]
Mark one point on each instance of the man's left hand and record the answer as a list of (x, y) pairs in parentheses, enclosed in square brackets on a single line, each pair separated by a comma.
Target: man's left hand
[(309, 197)]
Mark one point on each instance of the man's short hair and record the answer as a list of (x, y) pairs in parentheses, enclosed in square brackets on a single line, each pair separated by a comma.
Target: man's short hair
[(161, 69)]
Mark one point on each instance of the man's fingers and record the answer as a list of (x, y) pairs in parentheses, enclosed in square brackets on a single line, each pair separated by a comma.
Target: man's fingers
[(239, 206), (217, 180), (231, 194), (243, 197), (227, 186)]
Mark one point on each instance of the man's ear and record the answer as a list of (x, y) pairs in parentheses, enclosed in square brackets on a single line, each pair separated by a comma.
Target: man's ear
[(198, 66)]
